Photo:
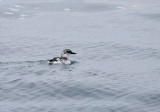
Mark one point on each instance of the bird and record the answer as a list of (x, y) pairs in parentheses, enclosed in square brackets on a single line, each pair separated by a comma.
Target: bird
[(63, 59)]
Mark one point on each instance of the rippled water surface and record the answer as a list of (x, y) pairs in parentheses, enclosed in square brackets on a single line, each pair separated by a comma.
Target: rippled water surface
[(116, 68)]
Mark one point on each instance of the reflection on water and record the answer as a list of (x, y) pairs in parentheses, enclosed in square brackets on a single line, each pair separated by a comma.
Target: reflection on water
[(32, 8)]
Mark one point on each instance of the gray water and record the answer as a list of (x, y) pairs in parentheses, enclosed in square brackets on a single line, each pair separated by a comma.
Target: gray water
[(116, 68)]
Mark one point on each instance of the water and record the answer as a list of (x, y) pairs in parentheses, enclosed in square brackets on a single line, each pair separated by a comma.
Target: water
[(116, 68)]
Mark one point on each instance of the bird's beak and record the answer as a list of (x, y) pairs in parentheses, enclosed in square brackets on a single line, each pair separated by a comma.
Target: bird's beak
[(73, 53)]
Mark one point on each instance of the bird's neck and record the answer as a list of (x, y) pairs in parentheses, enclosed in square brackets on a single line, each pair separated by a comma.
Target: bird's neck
[(64, 55)]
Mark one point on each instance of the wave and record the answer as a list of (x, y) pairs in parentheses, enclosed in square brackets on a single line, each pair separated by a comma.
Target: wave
[(110, 50)]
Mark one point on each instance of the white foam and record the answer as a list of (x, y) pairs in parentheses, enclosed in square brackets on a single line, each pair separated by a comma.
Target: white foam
[(9, 13), (18, 6), (36, 8), (66, 9), (121, 8), (23, 15), (134, 5), (13, 9), (21, 18)]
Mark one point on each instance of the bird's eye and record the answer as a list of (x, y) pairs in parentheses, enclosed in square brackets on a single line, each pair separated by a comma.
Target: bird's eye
[(68, 51)]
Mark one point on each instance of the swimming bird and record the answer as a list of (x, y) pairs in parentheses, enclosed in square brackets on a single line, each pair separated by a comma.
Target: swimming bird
[(63, 59)]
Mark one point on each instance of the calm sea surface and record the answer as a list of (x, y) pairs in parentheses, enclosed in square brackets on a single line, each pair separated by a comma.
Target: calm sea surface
[(116, 68)]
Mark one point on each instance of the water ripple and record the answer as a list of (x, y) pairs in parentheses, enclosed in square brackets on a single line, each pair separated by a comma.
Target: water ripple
[(117, 51)]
